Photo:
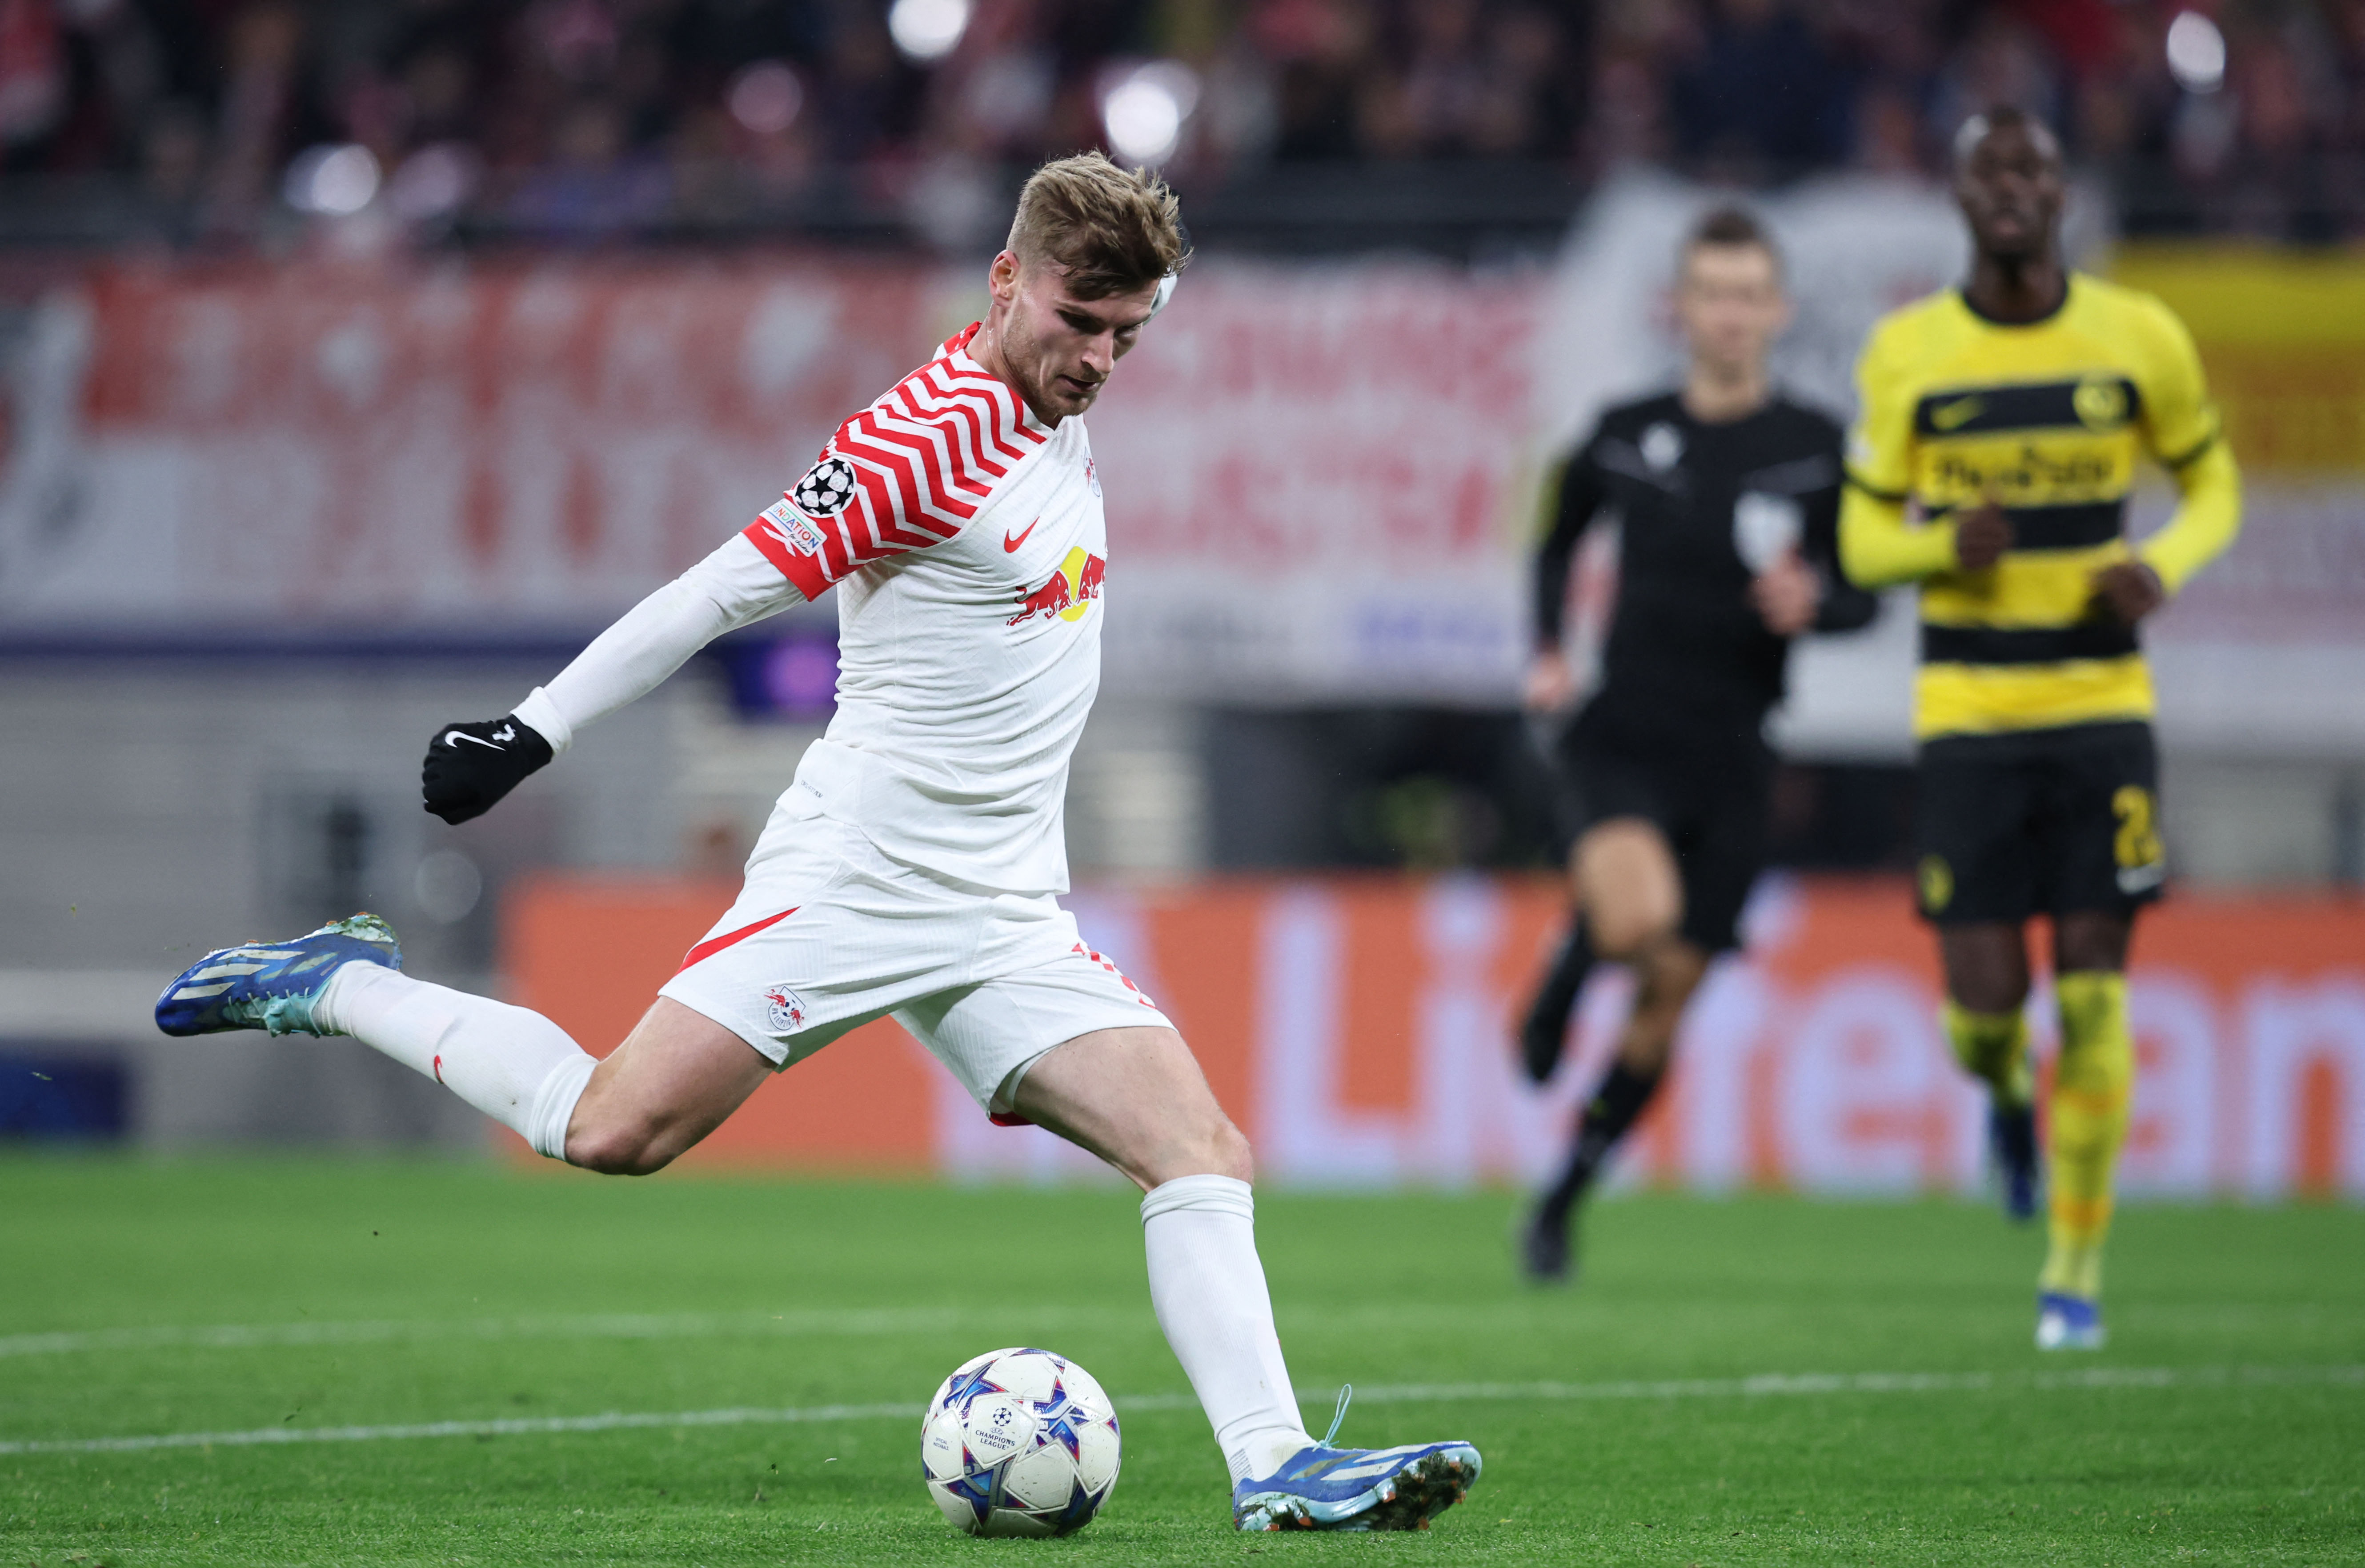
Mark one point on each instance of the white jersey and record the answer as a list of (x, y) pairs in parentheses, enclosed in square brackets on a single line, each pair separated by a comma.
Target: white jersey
[(968, 545)]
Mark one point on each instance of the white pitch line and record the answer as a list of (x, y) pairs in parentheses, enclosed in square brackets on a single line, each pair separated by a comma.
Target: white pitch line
[(805, 1323), (602, 1326), (528, 1426), (1764, 1384)]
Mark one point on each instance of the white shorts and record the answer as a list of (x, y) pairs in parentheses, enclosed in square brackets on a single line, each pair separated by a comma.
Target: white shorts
[(829, 933)]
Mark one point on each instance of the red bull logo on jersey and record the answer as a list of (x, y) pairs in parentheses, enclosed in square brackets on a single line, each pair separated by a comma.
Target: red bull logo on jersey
[(1067, 592)]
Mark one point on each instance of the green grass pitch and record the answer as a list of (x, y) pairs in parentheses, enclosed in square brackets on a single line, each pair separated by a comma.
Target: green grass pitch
[(2226, 1424)]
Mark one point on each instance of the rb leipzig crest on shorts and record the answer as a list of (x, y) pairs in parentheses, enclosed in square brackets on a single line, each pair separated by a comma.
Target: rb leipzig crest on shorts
[(784, 1010)]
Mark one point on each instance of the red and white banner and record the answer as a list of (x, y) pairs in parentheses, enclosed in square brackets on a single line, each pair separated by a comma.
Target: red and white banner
[(1316, 476), (313, 447), (1320, 476), (1320, 483), (1358, 1029)]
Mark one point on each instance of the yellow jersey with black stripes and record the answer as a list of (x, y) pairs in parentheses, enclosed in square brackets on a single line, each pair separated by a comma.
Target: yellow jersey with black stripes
[(2048, 419)]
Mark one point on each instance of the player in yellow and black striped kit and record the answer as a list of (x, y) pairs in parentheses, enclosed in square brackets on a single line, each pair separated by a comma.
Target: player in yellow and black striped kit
[(1997, 442)]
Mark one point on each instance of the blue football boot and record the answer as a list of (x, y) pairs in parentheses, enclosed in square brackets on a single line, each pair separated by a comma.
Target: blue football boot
[(1321, 1487), (2011, 1135), (272, 985), (2067, 1322)]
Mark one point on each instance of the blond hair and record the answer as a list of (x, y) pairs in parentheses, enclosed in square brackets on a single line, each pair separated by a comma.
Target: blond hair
[(1112, 230)]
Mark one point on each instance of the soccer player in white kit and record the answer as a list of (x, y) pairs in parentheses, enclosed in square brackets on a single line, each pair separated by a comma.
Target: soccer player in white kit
[(913, 866)]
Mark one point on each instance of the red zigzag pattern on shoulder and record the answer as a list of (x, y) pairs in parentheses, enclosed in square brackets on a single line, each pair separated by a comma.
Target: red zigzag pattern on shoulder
[(925, 456)]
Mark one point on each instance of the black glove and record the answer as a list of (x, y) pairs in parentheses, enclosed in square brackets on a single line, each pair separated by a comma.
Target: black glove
[(471, 767)]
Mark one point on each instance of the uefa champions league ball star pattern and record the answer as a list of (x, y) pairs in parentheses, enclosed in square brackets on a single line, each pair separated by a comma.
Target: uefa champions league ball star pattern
[(1020, 1442), (825, 489)]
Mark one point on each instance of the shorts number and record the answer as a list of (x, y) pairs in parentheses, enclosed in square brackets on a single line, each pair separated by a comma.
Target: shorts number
[(2137, 842)]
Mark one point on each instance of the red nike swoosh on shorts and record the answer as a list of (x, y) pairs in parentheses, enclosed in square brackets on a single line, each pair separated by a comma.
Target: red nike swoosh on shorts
[(715, 944), (1011, 542)]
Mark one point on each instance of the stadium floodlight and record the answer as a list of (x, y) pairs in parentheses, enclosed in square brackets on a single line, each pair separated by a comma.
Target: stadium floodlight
[(1144, 111), (2196, 52), (333, 181), (927, 30), (765, 97)]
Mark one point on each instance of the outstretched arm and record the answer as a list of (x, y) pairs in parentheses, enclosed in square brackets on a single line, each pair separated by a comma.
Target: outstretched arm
[(470, 767), (733, 587)]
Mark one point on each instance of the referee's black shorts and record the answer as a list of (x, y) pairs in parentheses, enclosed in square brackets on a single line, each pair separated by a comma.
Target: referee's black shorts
[(1710, 799), (2039, 821)]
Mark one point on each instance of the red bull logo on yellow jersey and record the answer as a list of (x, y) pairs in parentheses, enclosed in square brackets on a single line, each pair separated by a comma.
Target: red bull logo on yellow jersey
[(1067, 592)]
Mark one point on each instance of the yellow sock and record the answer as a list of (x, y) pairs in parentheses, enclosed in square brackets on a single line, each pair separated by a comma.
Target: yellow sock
[(2092, 1085), (1993, 1047)]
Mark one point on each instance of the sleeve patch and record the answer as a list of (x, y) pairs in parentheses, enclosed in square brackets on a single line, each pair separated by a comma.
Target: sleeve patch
[(826, 488), (787, 523)]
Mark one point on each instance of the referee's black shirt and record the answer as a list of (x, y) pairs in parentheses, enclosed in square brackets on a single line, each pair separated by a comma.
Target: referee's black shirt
[(1689, 657)]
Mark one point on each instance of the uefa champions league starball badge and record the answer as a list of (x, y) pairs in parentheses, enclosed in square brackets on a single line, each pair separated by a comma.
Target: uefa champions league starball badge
[(825, 489)]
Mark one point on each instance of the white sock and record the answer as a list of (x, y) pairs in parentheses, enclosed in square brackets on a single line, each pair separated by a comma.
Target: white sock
[(515, 1065), (1208, 1288)]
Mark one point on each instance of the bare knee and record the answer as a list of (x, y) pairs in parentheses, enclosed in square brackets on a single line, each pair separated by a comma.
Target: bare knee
[(1632, 892), (1987, 966), (630, 1146), (1226, 1152), (1207, 1145), (1213, 1147), (1636, 926), (2090, 939), (1624, 937)]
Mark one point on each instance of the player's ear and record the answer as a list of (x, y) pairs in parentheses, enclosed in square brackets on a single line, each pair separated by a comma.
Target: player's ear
[(1001, 277)]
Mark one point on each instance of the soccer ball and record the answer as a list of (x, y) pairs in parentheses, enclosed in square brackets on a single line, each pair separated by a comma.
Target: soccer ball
[(1019, 1442)]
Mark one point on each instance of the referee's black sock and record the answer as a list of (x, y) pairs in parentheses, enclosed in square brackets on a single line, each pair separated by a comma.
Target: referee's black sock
[(1545, 1029), (1616, 1102)]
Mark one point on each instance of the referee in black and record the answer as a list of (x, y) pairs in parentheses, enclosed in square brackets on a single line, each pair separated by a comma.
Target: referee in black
[(1728, 501)]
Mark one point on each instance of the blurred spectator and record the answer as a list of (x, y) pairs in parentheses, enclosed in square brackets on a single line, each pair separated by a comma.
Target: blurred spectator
[(2000, 60), (1636, 44), (593, 183), (1759, 97), (1888, 138), (257, 112), (574, 118), (1325, 51), (33, 79)]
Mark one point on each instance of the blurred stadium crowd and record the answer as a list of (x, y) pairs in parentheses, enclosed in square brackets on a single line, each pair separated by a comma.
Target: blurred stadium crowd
[(219, 121)]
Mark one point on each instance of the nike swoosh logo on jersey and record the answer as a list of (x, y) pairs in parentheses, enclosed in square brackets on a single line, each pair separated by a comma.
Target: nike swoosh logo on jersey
[(1961, 411), (1011, 542), (452, 735)]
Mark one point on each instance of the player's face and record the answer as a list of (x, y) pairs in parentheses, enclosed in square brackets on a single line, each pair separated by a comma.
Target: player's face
[(1731, 305), (2008, 186), (1059, 349)]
